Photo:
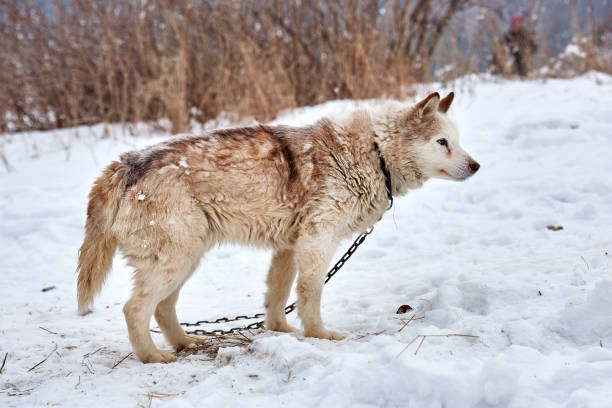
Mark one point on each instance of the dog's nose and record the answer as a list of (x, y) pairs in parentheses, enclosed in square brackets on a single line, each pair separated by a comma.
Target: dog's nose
[(474, 166)]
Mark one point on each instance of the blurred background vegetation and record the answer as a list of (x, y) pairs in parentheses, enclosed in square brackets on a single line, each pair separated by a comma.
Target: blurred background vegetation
[(73, 62)]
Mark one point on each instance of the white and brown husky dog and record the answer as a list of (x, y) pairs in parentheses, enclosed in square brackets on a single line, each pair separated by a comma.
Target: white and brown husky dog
[(299, 191)]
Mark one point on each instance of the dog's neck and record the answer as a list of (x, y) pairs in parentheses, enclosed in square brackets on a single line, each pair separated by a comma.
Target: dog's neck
[(404, 173), (385, 171)]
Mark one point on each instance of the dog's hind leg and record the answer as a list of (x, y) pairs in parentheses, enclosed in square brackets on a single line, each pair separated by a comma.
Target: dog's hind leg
[(280, 277), (153, 282), (165, 315)]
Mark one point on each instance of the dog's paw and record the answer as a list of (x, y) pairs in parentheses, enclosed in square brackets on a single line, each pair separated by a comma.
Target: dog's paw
[(324, 334), (159, 356), (281, 327), (189, 342)]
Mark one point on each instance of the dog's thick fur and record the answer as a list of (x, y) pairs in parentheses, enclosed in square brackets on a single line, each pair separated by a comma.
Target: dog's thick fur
[(299, 191)]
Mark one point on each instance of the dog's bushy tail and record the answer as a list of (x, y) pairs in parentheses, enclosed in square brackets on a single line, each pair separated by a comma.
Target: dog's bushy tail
[(96, 253)]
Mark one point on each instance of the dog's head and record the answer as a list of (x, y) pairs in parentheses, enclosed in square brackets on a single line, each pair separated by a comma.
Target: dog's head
[(435, 140)]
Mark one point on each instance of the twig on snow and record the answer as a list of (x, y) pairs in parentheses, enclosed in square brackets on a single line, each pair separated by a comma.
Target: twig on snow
[(586, 263), (16, 392), (407, 345), (87, 364), (419, 346), (361, 336), (246, 338), (160, 395), (423, 336), (214, 343), (47, 330), (407, 322), (93, 352), (3, 362), (288, 370), (120, 361), (45, 359), (9, 168)]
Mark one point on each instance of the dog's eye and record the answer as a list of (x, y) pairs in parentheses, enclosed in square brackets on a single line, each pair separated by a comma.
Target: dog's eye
[(442, 142)]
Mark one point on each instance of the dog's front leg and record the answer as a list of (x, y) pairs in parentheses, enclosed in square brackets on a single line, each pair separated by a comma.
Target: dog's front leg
[(313, 255), (280, 278)]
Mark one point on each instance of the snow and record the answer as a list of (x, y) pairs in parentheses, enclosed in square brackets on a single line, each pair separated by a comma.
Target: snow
[(573, 49), (183, 162), (473, 258)]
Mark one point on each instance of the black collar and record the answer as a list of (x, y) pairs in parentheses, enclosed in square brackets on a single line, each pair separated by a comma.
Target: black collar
[(386, 173)]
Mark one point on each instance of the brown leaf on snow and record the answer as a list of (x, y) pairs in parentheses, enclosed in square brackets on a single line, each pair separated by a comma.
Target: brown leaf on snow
[(403, 309)]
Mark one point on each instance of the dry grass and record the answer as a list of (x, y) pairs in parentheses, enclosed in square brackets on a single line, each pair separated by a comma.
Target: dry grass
[(3, 362), (212, 344), (424, 336), (156, 395), (44, 359), (413, 317), (70, 62)]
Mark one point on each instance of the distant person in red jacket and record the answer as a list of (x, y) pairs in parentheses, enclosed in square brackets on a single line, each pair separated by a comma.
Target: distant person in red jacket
[(521, 45)]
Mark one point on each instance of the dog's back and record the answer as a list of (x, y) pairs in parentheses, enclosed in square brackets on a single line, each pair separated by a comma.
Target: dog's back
[(242, 185)]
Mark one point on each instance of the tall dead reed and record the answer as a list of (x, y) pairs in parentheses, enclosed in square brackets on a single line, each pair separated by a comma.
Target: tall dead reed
[(71, 62)]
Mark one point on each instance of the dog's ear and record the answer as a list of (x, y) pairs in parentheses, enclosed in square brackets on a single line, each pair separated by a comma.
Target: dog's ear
[(446, 102), (427, 108)]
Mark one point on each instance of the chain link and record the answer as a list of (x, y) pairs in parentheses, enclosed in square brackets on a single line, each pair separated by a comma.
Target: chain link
[(288, 309)]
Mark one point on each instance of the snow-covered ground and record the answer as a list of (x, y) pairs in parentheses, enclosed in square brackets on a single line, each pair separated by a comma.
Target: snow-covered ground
[(471, 258)]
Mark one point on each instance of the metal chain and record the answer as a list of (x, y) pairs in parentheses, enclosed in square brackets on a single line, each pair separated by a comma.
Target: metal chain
[(288, 309)]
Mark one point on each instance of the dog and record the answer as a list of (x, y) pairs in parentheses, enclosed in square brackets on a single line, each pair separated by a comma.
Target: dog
[(297, 190)]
